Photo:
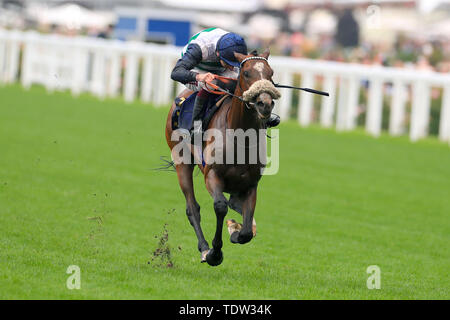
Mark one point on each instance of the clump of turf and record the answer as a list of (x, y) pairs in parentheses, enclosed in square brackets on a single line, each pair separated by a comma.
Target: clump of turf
[(162, 255)]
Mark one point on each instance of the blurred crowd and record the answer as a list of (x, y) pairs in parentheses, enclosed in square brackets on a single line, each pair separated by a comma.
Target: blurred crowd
[(342, 42), (343, 46), (406, 52), (346, 45)]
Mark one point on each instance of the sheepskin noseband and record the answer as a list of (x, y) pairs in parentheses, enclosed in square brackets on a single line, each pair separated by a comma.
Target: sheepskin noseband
[(259, 87)]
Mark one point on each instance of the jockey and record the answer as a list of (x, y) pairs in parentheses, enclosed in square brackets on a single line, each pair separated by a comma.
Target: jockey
[(209, 52)]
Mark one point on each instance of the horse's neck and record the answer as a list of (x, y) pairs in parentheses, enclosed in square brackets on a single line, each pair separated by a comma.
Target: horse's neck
[(239, 116)]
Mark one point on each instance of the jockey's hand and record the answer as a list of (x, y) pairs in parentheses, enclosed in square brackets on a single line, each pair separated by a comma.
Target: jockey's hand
[(205, 77)]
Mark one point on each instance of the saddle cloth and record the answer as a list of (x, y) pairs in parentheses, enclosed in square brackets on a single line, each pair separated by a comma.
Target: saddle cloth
[(182, 114)]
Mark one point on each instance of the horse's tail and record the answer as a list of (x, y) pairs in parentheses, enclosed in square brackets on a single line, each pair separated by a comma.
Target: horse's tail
[(167, 165)]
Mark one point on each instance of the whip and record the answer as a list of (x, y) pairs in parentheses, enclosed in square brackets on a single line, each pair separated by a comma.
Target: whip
[(322, 93), (219, 90)]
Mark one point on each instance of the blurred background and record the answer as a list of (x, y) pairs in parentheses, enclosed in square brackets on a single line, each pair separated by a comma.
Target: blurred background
[(326, 44), (403, 33)]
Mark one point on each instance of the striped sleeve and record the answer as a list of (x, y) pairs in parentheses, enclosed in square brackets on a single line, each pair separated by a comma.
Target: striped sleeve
[(190, 59)]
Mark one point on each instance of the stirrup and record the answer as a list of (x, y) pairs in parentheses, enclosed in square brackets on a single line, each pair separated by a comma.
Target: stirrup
[(196, 131)]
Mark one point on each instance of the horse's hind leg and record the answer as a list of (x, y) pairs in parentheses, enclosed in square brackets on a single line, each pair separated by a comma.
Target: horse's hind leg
[(236, 203), (184, 172)]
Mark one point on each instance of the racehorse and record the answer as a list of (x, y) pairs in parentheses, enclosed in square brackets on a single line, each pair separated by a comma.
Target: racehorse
[(248, 108)]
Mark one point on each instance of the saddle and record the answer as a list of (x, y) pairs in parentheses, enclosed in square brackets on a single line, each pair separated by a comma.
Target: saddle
[(182, 114)]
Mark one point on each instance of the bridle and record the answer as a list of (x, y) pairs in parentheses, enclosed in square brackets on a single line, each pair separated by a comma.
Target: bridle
[(220, 91), (251, 58), (276, 85)]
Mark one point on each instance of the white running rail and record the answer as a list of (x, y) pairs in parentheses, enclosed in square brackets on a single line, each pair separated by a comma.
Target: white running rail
[(108, 68)]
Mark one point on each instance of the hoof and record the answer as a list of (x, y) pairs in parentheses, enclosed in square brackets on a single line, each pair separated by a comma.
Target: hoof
[(203, 256), (241, 238), (234, 237), (233, 226), (214, 258)]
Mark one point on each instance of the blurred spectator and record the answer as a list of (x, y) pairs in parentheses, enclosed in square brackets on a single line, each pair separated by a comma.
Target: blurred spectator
[(347, 34), (106, 33)]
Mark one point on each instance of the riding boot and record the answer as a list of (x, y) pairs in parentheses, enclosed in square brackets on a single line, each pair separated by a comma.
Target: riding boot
[(200, 100), (273, 121)]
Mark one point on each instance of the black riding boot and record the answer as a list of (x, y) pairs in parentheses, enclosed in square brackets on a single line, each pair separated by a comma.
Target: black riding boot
[(197, 115)]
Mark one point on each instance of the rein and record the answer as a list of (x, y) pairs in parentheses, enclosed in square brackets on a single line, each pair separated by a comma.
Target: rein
[(219, 91)]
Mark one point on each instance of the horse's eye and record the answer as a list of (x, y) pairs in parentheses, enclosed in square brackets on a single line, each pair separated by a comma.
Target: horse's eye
[(246, 74)]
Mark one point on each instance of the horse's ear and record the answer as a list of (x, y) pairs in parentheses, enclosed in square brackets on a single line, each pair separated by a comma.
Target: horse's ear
[(239, 56), (266, 53)]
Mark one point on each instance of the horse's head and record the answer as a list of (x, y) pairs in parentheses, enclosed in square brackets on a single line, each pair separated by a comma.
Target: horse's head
[(255, 81)]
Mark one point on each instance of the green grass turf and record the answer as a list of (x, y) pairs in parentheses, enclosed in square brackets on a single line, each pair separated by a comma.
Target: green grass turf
[(340, 202)]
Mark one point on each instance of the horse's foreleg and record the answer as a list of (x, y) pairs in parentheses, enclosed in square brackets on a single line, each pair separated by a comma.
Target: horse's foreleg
[(248, 229), (215, 188), (236, 202), (184, 172)]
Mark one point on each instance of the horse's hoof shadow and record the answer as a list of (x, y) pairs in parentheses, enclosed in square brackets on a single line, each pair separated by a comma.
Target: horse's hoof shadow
[(214, 258)]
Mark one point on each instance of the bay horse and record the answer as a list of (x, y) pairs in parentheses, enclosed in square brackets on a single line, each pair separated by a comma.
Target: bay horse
[(238, 180)]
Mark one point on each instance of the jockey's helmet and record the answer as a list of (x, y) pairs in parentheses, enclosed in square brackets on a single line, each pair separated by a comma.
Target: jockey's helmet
[(228, 44)]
